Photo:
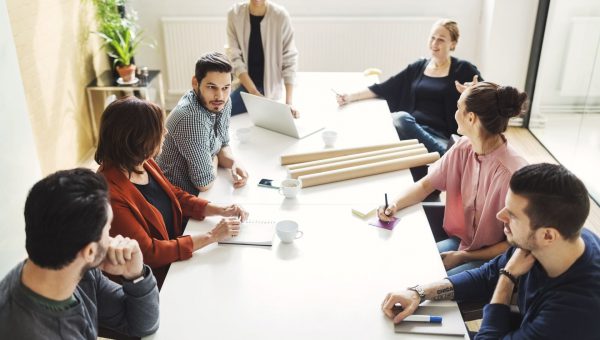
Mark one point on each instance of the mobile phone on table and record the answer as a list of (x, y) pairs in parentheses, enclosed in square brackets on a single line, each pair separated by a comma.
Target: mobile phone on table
[(269, 183)]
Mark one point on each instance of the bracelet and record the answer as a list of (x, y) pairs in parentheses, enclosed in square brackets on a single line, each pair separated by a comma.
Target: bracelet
[(509, 275)]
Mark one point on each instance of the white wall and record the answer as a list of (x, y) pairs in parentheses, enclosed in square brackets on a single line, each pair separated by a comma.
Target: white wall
[(495, 34), (19, 168), (505, 41), (467, 12)]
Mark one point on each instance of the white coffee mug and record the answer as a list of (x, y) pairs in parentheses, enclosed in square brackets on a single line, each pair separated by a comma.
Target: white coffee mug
[(329, 137), (290, 187), (287, 231), (243, 134)]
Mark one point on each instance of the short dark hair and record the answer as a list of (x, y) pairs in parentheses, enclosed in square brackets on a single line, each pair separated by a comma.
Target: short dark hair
[(131, 131), (212, 62), (556, 197), (63, 213), (494, 105)]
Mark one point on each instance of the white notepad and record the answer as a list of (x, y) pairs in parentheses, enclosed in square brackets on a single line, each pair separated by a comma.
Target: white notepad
[(452, 322), (253, 232)]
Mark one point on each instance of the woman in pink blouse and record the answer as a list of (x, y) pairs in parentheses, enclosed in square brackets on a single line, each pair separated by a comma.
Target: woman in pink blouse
[(475, 174)]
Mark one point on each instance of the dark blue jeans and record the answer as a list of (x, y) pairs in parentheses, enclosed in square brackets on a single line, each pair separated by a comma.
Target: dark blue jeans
[(451, 244), (237, 104), (408, 128)]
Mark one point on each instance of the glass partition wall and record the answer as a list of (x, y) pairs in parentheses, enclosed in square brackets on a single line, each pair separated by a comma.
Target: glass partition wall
[(565, 111)]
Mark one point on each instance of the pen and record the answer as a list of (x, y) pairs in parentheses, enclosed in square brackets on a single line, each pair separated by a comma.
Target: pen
[(337, 94), (424, 318), (386, 203)]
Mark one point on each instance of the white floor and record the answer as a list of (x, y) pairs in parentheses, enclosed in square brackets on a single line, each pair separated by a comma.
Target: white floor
[(574, 140)]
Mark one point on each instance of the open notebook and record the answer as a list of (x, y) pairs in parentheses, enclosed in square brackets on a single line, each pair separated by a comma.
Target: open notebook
[(253, 232)]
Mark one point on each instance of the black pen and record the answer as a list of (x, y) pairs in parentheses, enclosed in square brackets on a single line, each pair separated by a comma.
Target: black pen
[(386, 204)]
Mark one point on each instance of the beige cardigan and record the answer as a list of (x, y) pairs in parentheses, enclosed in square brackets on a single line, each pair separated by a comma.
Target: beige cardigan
[(277, 35)]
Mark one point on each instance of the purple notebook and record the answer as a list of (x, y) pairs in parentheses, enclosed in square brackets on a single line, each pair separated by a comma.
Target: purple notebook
[(375, 221)]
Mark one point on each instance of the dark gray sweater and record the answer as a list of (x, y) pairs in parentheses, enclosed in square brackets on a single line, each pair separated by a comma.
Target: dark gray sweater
[(130, 309)]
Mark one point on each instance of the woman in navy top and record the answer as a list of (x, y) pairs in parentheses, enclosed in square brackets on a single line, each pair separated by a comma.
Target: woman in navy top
[(423, 96)]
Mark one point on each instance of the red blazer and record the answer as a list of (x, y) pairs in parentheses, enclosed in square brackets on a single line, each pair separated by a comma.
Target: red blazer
[(135, 218)]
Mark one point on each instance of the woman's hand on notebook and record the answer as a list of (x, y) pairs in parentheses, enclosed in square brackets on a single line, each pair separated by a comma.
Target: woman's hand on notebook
[(235, 210), (227, 227)]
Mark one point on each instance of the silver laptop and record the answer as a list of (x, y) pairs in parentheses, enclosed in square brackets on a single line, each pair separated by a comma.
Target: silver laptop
[(275, 116)]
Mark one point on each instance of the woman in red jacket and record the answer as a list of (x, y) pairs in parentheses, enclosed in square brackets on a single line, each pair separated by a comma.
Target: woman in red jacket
[(146, 206)]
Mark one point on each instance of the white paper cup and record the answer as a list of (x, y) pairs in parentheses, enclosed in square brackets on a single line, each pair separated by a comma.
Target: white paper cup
[(329, 138), (287, 231), (243, 134), (290, 188)]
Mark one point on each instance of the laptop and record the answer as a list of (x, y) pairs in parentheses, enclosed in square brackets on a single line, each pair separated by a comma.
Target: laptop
[(271, 115)]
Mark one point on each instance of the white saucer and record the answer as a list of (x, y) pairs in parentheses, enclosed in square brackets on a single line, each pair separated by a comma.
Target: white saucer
[(134, 80)]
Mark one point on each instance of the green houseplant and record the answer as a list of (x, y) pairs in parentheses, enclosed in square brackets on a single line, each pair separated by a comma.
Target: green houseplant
[(120, 35)]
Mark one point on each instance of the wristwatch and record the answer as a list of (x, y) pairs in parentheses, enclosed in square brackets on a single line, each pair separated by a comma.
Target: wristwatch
[(419, 290), (140, 278)]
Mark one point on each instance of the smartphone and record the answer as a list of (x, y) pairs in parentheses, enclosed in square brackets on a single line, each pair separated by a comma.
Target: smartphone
[(269, 183)]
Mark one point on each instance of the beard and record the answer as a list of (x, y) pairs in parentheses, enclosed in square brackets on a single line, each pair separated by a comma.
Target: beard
[(100, 255), (528, 244), (205, 103)]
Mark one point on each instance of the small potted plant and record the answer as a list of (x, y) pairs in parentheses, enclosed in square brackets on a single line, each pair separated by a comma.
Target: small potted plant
[(120, 35)]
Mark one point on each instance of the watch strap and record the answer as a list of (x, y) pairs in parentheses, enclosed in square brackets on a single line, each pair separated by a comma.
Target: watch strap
[(419, 290)]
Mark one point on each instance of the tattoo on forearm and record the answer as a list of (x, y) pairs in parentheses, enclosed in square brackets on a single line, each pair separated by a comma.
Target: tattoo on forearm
[(444, 293)]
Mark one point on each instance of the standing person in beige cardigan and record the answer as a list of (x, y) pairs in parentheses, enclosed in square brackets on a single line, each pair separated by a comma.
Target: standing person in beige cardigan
[(262, 50)]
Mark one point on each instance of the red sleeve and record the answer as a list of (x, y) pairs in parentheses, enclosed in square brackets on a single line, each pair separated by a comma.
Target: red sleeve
[(191, 206), (157, 252)]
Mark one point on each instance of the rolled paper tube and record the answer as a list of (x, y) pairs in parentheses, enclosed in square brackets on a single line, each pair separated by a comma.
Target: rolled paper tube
[(367, 169), (354, 156), (354, 162), (316, 155)]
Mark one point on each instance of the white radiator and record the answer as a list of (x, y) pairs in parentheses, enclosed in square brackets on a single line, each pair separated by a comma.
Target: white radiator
[(325, 44)]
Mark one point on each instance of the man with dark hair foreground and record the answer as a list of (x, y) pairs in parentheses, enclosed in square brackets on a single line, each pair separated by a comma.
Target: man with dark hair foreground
[(59, 292), (554, 263)]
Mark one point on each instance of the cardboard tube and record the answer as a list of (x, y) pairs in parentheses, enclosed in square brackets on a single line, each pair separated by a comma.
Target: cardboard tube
[(354, 162), (367, 169), (355, 156), (316, 155)]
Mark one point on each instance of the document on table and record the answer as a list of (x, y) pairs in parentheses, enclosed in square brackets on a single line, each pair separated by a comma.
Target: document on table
[(253, 232), (452, 322)]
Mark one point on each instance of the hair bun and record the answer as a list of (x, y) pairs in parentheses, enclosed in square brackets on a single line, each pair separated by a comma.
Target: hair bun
[(511, 102)]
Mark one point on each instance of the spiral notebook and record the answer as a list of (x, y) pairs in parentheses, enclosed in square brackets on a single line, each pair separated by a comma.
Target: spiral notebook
[(253, 232)]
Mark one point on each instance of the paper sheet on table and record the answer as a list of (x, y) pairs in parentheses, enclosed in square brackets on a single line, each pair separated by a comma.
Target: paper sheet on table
[(253, 232)]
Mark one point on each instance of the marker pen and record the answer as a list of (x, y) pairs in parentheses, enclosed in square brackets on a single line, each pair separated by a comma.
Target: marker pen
[(424, 318)]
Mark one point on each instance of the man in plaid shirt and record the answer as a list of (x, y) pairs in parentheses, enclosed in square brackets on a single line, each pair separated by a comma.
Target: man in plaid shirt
[(197, 140)]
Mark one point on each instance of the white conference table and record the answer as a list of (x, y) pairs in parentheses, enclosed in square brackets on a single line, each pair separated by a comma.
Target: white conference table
[(359, 124), (327, 284)]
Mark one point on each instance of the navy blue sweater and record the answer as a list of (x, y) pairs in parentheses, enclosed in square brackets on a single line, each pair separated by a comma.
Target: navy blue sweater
[(564, 307), (399, 90)]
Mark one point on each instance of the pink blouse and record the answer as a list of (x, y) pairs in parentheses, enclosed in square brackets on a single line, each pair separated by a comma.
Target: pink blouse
[(476, 188)]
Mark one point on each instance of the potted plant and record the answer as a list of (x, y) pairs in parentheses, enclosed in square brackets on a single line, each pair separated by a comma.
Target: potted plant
[(120, 35)]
